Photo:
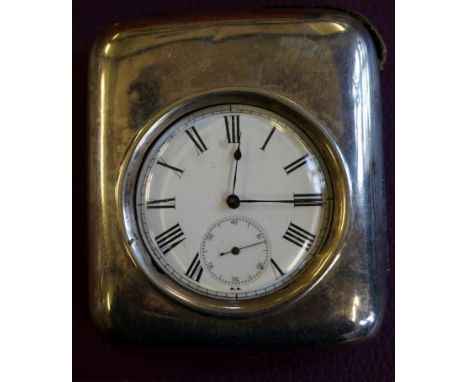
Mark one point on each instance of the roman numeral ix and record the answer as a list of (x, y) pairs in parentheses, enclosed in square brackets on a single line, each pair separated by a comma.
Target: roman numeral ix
[(296, 164), (199, 144), (299, 236), (170, 238), (195, 269), (232, 128), (162, 203), (303, 200)]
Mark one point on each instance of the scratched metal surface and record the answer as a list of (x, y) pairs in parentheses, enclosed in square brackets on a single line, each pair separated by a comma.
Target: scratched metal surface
[(323, 60)]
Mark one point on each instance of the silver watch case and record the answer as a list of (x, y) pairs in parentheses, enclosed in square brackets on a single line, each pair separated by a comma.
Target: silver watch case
[(321, 63)]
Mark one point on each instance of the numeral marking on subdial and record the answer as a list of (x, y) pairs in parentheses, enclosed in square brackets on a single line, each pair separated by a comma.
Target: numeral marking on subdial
[(170, 238), (299, 236)]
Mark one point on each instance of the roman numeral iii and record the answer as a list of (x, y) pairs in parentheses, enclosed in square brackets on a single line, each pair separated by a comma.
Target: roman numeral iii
[(296, 164), (196, 139), (162, 203), (232, 128), (299, 236), (304, 200), (170, 238), (195, 269)]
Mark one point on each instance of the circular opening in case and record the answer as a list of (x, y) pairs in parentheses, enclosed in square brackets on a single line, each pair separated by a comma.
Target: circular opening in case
[(150, 258)]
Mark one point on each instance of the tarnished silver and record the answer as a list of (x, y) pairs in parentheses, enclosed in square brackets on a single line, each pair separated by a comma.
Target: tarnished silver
[(317, 67)]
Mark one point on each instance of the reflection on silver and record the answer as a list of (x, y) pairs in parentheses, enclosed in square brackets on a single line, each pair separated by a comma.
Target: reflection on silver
[(355, 308), (369, 320), (362, 108)]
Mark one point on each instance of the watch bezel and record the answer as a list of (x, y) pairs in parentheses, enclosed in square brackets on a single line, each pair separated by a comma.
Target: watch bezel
[(314, 132)]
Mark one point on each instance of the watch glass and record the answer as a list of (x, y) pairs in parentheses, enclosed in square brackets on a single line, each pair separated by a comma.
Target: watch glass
[(232, 201)]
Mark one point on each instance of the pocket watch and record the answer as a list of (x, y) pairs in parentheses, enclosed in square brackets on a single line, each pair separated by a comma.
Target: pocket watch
[(236, 180)]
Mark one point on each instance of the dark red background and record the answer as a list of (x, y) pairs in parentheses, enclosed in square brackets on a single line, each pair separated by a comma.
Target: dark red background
[(95, 358)]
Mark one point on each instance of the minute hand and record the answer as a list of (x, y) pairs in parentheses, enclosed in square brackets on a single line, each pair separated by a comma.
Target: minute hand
[(266, 201), (299, 200)]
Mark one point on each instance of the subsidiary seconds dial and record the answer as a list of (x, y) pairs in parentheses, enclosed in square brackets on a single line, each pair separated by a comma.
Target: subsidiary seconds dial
[(235, 251), (233, 201)]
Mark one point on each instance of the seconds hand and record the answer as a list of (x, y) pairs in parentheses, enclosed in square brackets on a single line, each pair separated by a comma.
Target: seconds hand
[(236, 250)]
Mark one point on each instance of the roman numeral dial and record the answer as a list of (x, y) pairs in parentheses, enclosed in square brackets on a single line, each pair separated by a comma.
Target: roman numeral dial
[(230, 201)]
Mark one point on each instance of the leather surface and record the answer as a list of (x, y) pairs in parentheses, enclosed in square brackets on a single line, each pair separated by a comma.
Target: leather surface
[(95, 358)]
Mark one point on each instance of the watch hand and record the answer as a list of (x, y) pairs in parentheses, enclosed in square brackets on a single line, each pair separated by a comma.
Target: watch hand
[(237, 156), (252, 245), (266, 201), (236, 250), (299, 200), (233, 200)]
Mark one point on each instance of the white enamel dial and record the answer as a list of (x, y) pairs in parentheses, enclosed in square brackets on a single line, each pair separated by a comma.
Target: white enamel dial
[(228, 177)]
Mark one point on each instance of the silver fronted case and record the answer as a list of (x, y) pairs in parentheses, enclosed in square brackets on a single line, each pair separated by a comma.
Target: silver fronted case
[(316, 68)]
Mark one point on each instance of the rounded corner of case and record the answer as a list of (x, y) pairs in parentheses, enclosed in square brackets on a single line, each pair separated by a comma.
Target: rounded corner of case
[(367, 328), (101, 319), (103, 40), (362, 27)]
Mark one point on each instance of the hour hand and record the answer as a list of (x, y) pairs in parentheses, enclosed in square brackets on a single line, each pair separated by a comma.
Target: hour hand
[(237, 156), (233, 200), (299, 200)]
